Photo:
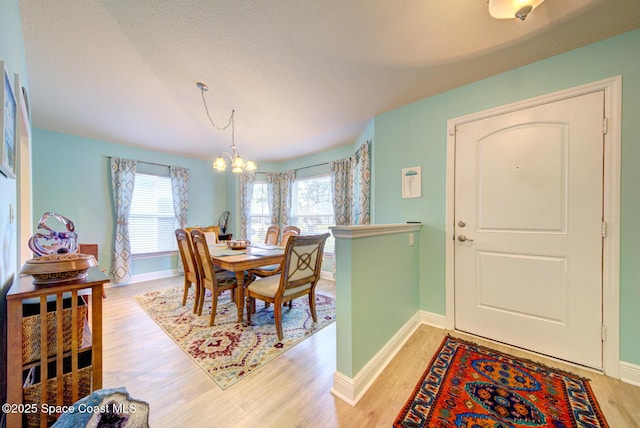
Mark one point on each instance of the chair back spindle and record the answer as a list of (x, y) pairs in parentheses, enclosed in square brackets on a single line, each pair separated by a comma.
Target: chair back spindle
[(287, 232), (271, 238)]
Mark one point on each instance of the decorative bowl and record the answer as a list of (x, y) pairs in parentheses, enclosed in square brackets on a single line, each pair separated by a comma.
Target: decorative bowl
[(239, 244), (62, 267)]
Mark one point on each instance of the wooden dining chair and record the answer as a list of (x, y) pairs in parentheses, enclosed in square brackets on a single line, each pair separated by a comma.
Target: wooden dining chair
[(207, 274), (210, 232), (296, 276), (191, 275), (287, 232), (273, 232)]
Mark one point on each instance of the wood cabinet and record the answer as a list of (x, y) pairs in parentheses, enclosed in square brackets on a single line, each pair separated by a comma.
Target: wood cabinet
[(66, 379)]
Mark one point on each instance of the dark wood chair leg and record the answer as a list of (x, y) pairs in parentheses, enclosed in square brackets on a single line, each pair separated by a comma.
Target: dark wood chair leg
[(249, 305), (312, 306), (214, 308), (277, 314), (187, 285), (196, 298)]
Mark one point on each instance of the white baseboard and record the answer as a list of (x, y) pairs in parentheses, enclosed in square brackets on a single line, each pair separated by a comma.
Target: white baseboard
[(434, 320), (352, 390), (325, 274), (630, 373)]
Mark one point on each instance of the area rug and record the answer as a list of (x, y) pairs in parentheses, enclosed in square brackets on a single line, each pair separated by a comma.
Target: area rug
[(229, 351), (467, 385)]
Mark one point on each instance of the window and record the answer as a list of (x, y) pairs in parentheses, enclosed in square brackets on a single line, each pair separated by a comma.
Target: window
[(312, 207), (260, 216), (152, 221)]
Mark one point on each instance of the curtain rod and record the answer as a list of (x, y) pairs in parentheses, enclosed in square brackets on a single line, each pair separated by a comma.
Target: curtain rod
[(148, 163), (311, 166), (298, 169)]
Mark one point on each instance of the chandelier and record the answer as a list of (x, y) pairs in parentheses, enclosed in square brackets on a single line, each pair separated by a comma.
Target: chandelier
[(237, 161)]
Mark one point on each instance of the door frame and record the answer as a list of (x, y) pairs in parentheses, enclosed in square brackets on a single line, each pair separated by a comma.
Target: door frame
[(612, 88)]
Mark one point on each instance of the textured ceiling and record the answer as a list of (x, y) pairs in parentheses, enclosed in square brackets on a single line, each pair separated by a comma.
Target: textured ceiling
[(302, 75)]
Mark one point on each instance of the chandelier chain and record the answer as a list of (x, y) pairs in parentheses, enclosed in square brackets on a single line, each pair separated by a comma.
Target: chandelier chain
[(206, 109), (238, 162)]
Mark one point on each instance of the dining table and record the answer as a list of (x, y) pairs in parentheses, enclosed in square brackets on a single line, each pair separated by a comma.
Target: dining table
[(240, 260)]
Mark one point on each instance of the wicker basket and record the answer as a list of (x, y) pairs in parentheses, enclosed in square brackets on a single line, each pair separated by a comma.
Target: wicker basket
[(32, 394), (31, 333)]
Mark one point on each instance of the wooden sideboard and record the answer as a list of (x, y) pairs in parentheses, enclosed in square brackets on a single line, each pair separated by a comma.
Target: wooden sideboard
[(22, 289)]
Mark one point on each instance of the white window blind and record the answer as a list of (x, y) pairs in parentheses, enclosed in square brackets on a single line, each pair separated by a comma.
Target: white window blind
[(152, 221), (260, 215), (312, 207)]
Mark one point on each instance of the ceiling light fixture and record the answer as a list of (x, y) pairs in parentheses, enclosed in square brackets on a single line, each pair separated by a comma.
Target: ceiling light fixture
[(507, 9), (238, 162)]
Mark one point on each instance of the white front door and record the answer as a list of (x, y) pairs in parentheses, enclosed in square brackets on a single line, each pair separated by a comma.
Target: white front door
[(528, 232)]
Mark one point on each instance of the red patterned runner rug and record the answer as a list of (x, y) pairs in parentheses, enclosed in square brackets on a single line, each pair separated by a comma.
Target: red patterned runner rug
[(467, 385)]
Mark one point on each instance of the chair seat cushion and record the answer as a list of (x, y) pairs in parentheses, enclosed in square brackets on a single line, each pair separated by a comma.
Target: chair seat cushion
[(225, 277), (268, 286)]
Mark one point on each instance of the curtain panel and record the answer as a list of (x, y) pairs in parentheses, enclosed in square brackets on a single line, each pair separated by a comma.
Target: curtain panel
[(279, 193), (351, 185), (123, 176), (180, 193), (246, 194)]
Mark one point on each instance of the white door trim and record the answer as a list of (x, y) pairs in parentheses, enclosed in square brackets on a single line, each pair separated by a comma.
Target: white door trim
[(612, 88)]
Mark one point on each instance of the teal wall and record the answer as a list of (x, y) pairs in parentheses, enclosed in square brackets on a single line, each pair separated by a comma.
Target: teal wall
[(13, 54), (71, 177), (376, 294), (416, 135)]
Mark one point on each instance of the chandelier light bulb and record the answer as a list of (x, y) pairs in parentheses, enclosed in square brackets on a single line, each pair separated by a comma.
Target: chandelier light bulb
[(219, 164), (238, 162)]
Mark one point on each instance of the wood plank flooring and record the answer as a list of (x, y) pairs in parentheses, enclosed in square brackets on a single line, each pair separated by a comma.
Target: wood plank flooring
[(292, 390)]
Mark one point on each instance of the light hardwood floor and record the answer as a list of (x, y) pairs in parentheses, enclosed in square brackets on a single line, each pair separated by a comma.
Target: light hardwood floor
[(292, 390)]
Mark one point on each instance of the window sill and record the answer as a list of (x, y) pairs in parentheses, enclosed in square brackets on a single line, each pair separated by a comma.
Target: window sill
[(154, 255)]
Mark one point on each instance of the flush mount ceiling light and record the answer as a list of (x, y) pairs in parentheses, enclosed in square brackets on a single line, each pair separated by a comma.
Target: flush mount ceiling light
[(507, 9), (238, 162)]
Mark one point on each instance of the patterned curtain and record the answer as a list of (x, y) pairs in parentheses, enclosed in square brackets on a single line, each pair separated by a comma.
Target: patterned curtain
[(341, 185), (286, 195), (180, 193), (123, 176), (246, 193), (279, 192), (273, 197), (364, 184), (351, 183)]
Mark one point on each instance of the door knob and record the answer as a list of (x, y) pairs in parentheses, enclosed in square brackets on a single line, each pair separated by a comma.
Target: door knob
[(463, 238)]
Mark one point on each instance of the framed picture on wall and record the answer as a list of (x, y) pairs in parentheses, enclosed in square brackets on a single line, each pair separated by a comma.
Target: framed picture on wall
[(8, 127), (412, 182)]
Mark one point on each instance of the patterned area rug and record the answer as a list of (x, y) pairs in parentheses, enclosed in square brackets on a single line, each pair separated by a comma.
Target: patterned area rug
[(229, 351), (467, 385)]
